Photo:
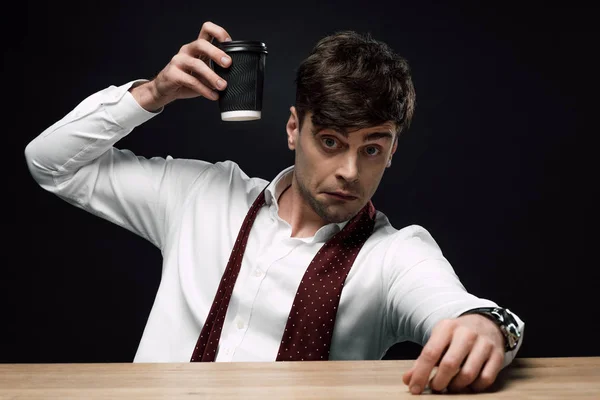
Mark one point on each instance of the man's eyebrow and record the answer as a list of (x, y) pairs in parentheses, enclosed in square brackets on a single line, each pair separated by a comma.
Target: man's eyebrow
[(378, 135), (370, 136)]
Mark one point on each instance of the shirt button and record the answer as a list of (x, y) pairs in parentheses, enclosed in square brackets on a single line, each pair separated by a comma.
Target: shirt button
[(258, 273), (239, 323)]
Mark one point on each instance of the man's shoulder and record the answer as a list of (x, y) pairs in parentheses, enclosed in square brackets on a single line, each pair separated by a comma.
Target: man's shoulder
[(237, 176), (222, 178), (386, 235), (402, 247), (385, 229), (226, 171)]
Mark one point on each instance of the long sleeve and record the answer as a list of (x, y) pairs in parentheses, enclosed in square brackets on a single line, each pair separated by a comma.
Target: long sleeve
[(423, 288), (75, 159)]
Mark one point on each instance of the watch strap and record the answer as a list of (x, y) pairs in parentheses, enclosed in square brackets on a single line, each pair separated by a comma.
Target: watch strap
[(505, 320)]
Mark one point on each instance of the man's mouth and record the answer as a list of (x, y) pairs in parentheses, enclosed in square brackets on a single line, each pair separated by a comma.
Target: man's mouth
[(342, 196)]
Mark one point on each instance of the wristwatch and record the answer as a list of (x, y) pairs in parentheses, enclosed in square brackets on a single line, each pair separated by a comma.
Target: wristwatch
[(505, 319)]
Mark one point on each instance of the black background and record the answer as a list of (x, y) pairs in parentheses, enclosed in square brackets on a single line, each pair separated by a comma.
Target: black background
[(499, 164)]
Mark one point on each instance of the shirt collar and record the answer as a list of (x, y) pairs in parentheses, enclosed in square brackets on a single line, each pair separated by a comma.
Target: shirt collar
[(278, 185), (281, 182)]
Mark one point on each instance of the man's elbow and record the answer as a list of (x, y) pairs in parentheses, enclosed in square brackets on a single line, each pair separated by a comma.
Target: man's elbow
[(40, 173)]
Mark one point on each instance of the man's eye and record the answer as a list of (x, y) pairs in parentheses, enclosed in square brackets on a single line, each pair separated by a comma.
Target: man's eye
[(329, 142), (372, 151)]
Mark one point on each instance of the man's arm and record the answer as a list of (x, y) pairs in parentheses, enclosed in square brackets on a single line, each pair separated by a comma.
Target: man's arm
[(425, 303), (75, 158)]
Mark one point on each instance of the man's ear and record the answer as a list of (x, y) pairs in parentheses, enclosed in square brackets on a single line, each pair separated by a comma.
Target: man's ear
[(293, 128)]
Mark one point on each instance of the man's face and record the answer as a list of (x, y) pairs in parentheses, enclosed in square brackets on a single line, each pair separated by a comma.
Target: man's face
[(337, 173)]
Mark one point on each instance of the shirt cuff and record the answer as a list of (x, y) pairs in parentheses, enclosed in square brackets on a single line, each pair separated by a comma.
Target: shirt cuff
[(124, 109)]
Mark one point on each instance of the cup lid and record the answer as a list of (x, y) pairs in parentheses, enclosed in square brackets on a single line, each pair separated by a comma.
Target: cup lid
[(242, 45)]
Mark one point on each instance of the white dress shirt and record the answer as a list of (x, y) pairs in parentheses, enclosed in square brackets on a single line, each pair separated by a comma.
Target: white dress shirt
[(399, 287)]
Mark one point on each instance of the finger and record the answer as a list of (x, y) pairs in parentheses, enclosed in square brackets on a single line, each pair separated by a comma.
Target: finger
[(430, 355), (407, 376), (205, 50), (472, 367), (186, 80), (199, 70), (463, 341), (210, 30), (489, 372), (214, 53), (204, 81)]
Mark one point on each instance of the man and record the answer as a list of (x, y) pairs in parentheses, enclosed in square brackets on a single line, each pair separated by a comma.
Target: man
[(243, 256)]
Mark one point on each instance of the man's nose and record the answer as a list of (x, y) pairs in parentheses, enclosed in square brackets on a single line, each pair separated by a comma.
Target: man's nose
[(348, 168)]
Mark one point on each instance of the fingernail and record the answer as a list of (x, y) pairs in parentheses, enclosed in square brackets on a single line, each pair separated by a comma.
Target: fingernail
[(214, 95), (225, 60), (220, 83), (227, 39), (415, 389)]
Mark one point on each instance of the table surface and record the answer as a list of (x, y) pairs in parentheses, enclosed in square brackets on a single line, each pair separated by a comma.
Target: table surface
[(525, 378)]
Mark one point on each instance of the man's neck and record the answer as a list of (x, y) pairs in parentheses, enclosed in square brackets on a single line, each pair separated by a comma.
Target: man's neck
[(295, 211)]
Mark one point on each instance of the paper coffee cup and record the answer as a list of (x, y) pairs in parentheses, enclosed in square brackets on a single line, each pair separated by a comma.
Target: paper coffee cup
[(242, 98)]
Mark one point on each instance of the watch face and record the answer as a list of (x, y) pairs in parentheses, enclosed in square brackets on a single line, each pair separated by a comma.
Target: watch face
[(510, 328), (514, 335)]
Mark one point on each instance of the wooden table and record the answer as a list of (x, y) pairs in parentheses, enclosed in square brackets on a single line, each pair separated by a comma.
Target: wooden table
[(542, 378)]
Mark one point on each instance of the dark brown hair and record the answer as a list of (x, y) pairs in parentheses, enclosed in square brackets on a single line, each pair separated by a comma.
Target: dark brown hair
[(352, 81)]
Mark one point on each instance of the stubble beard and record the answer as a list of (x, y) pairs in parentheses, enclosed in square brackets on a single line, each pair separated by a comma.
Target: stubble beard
[(319, 208)]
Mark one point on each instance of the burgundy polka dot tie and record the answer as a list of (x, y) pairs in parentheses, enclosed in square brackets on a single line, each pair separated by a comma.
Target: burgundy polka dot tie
[(309, 328)]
